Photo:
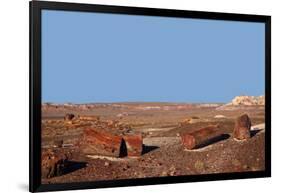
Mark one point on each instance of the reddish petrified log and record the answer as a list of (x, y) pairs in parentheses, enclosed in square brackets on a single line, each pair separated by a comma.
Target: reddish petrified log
[(134, 144), (242, 127), (53, 163), (97, 142), (201, 137)]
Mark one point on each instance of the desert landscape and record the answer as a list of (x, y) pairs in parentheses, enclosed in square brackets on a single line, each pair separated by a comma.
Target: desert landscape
[(110, 141)]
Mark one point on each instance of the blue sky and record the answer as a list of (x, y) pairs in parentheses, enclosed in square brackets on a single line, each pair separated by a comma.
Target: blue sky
[(96, 57)]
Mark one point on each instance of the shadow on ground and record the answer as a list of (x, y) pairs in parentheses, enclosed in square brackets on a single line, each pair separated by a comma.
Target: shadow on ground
[(73, 166), (148, 148), (213, 141), (254, 132)]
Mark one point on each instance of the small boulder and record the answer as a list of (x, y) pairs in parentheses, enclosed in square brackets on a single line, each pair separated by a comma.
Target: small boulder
[(69, 117), (58, 143), (189, 120), (106, 164)]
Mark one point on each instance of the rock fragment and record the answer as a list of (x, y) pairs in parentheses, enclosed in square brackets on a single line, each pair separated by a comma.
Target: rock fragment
[(69, 117)]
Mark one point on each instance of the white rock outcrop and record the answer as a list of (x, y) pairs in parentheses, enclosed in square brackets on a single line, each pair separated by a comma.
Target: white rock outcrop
[(243, 101), (248, 100)]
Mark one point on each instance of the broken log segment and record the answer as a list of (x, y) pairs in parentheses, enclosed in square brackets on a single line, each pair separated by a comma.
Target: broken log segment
[(96, 142), (242, 128), (134, 144), (201, 137), (110, 142), (54, 163)]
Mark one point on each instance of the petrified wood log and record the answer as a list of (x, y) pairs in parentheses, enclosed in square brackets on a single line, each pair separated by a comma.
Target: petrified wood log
[(134, 144), (242, 127), (97, 142), (201, 137), (53, 163)]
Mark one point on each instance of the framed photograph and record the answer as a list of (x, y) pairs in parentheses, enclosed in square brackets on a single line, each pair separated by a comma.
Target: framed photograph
[(127, 96)]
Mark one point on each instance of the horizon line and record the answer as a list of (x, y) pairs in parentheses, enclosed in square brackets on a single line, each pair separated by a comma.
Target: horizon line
[(180, 102), (115, 102)]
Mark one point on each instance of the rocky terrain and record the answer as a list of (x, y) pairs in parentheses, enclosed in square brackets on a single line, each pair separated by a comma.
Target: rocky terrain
[(92, 142)]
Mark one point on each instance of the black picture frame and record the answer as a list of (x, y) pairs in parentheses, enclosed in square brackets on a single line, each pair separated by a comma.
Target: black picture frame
[(35, 94)]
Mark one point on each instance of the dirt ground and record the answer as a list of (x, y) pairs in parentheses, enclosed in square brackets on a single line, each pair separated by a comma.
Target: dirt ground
[(163, 152)]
